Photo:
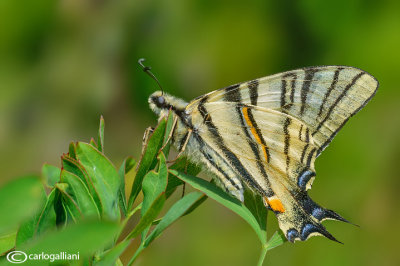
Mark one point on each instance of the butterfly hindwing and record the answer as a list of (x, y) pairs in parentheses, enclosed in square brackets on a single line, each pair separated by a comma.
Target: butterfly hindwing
[(278, 164)]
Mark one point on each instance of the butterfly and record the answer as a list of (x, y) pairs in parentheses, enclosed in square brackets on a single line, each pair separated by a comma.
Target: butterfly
[(265, 134)]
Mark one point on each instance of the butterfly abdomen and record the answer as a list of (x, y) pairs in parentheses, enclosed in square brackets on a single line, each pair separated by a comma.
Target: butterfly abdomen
[(213, 163)]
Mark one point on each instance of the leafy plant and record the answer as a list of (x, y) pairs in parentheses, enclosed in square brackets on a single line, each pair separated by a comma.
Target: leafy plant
[(85, 205)]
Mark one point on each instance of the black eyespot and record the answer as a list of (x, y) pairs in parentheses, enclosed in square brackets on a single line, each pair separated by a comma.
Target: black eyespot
[(160, 100)]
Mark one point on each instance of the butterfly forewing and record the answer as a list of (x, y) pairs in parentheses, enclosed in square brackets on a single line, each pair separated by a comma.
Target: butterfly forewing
[(324, 98)]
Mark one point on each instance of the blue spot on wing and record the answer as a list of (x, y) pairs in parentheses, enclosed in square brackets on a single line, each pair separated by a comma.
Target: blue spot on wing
[(303, 178), (292, 234), (318, 213), (307, 230)]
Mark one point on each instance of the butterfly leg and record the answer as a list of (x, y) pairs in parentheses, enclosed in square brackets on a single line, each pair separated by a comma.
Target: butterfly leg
[(184, 184), (183, 146), (146, 136)]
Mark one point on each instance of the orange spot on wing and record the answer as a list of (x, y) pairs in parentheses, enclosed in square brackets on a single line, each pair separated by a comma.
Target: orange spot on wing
[(265, 153), (275, 204), (254, 131)]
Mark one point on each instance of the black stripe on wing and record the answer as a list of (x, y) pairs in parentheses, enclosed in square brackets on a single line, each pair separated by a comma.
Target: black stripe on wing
[(232, 93), (343, 94), (308, 79), (330, 89), (258, 132), (338, 99), (284, 91), (254, 148), (211, 160), (232, 158), (253, 91), (288, 120)]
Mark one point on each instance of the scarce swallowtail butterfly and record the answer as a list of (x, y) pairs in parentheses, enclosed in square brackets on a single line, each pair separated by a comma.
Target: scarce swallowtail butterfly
[(266, 133)]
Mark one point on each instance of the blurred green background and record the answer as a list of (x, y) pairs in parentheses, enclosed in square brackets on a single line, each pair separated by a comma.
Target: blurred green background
[(64, 63)]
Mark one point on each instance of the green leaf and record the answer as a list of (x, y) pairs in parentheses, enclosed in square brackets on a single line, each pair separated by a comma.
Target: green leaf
[(66, 208), (183, 165), (47, 219), (100, 138), (154, 183), (111, 256), (127, 165), (225, 199), (19, 200), (148, 217), (77, 193), (130, 164), (51, 174), (156, 221), (137, 208), (256, 205), (70, 206), (73, 166), (150, 151), (45, 222), (103, 176), (7, 241), (30, 228), (72, 150), (176, 211), (93, 143), (168, 128), (173, 184), (150, 190), (196, 205), (85, 238), (276, 240), (59, 209)]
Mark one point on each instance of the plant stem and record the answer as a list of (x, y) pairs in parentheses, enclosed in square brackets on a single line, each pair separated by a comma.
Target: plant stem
[(138, 251), (262, 255), (125, 221)]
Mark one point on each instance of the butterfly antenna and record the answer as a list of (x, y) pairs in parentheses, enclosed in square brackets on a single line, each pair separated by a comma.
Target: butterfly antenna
[(148, 72)]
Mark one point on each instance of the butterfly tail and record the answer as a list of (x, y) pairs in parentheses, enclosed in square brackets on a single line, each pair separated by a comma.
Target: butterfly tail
[(302, 217), (318, 212)]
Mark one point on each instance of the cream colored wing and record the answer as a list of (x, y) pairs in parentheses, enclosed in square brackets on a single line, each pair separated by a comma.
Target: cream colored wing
[(323, 98), (264, 148), (270, 131)]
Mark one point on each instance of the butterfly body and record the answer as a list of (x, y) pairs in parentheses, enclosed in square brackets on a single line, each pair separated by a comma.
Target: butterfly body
[(266, 133)]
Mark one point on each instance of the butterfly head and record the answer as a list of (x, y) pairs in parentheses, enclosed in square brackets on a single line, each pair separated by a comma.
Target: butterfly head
[(161, 102)]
